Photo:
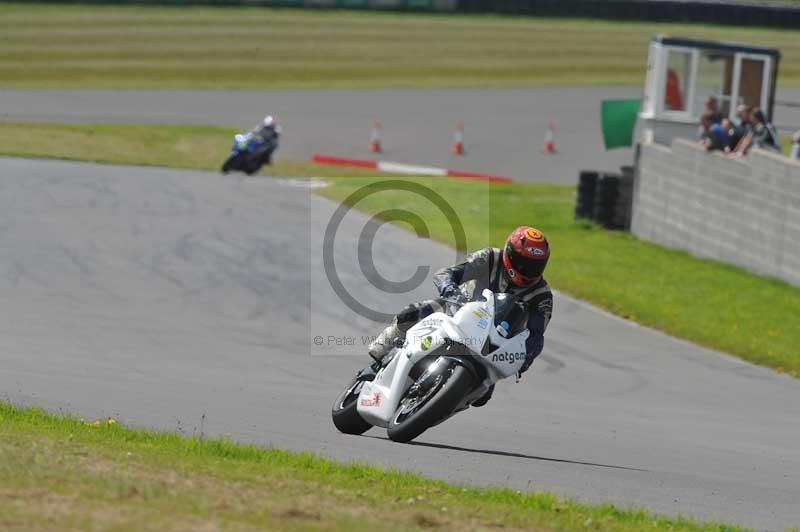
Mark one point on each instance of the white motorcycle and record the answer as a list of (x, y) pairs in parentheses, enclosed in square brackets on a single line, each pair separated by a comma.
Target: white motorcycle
[(445, 365)]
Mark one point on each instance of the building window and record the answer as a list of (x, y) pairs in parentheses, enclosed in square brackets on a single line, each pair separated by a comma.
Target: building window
[(679, 69), (714, 82)]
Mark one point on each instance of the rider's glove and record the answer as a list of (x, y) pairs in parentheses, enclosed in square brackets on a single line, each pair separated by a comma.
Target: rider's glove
[(453, 306), (450, 291), (454, 299)]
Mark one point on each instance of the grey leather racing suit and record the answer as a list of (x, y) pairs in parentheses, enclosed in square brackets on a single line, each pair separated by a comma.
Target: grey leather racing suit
[(482, 269)]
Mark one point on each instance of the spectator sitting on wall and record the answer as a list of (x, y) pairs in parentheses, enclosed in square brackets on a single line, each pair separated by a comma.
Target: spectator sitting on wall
[(734, 134), (762, 134), (795, 146), (711, 113), (744, 126), (714, 136)]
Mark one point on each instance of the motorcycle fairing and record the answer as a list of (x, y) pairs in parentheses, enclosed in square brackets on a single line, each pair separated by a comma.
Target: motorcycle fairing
[(471, 326), (246, 143)]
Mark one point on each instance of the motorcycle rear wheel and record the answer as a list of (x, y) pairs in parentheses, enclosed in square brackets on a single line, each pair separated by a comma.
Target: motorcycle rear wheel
[(405, 426), (344, 412), (231, 163), (252, 167)]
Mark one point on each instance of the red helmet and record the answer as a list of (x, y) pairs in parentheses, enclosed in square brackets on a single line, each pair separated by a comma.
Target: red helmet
[(525, 256)]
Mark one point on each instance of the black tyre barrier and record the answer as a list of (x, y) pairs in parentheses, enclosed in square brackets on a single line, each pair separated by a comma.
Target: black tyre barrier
[(605, 199), (584, 199), (624, 204)]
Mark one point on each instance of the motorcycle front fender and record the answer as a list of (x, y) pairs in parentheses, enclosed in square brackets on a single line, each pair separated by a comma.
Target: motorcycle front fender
[(379, 399)]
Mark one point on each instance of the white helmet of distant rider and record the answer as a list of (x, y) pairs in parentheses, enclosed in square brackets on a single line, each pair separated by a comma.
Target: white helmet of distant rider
[(271, 122)]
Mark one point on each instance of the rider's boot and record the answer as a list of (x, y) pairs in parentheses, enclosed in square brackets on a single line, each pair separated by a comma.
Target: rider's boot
[(384, 342), (483, 399)]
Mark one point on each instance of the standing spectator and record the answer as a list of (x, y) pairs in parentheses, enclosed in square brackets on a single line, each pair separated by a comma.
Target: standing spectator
[(795, 146), (713, 107), (762, 134), (743, 114)]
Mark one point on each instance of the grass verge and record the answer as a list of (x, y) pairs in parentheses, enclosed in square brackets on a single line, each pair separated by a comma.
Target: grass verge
[(184, 146), (85, 46), (62, 473), (710, 303)]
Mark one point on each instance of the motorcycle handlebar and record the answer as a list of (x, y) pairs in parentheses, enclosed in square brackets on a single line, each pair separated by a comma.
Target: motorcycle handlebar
[(453, 303)]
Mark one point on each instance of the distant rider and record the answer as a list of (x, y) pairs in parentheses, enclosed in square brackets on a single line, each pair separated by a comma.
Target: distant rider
[(269, 130), (516, 269)]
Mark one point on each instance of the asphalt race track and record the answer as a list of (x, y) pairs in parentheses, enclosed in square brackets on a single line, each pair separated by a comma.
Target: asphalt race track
[(187, 301), (505, 128)]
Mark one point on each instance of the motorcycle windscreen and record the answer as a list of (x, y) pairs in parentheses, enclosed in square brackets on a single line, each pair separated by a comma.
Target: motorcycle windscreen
[(510, 313)]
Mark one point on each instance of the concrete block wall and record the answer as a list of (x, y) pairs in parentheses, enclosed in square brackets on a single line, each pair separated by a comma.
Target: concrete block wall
[(741, 211)]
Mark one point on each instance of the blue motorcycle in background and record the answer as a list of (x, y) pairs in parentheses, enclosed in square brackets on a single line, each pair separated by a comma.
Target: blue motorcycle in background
[(250, 152)]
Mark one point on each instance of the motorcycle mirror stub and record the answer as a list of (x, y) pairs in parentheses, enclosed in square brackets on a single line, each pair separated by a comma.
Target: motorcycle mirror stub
[(502, 329)]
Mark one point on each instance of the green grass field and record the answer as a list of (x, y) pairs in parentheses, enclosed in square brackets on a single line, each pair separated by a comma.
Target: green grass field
[(60, 473), (719, 306), (133, 47)]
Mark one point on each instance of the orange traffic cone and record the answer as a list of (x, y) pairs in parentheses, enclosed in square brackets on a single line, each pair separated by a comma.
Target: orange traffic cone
[(458, 140), (550, 139), (375, 138)]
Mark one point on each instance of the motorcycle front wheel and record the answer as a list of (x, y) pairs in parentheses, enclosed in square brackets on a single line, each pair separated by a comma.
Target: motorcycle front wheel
[(421, 409), (344, 412)]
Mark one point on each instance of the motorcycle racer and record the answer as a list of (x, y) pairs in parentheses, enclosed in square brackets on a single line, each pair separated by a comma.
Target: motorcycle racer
[(516, 269), (269, 130)]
